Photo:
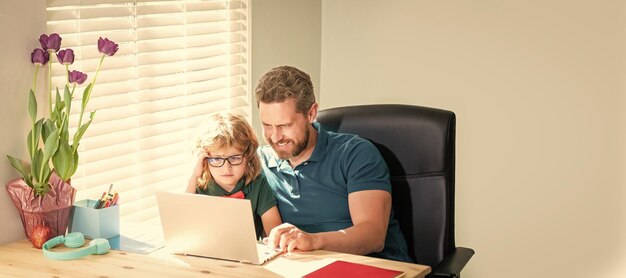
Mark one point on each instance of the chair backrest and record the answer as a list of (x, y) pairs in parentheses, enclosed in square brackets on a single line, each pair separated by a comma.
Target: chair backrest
[(418, 144)]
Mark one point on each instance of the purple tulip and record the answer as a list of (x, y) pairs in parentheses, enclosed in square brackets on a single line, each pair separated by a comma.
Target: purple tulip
[(52, 42), (77, 77), (107, 47), (66, 56), (39, 57)]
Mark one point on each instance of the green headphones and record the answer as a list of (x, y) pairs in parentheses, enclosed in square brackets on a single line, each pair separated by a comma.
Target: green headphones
[(97, 246)]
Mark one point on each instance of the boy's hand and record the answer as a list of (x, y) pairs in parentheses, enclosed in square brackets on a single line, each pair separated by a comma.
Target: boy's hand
[(201, 164)]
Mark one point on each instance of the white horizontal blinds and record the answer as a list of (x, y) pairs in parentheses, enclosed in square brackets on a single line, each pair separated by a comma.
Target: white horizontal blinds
[(178, 62)]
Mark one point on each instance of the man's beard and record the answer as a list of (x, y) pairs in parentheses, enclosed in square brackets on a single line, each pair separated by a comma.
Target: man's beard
[(297, 150)]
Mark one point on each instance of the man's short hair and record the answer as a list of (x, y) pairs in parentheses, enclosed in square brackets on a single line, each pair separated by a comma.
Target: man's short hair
[(284, 82)]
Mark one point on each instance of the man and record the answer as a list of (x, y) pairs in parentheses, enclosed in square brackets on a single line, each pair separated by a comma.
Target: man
[(333, 189)]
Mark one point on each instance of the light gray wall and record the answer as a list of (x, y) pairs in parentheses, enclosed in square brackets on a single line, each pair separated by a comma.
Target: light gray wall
[(21, 23), (538, 89), (284, 32)]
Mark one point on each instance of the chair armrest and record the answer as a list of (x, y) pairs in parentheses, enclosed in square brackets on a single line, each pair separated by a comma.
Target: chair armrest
[(453, 263)]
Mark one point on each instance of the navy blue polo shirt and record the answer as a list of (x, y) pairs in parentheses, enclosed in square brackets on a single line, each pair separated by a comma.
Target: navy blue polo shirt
[(314, 195)]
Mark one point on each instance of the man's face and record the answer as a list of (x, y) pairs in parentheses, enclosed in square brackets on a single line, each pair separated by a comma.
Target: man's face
[(284, 129)]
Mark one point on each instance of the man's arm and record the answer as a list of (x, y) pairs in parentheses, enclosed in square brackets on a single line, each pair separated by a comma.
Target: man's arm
[(369, 204), (369, 210)]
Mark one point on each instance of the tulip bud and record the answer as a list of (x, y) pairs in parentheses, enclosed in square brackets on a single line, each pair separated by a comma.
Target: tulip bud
[(52, 42), (77, 77), (107, 47), (39, 57), (66, 56)]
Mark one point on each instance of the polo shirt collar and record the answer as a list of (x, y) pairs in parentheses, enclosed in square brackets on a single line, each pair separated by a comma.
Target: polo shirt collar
[(319, 152)]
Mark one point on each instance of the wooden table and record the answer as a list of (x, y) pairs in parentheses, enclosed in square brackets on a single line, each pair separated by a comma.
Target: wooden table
[(21, 259)]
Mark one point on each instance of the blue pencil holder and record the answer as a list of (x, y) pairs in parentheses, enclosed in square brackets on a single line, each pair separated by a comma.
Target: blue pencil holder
[(95, 223)]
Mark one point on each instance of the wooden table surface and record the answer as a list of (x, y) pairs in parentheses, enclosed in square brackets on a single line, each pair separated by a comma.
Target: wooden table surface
[(21, 259)]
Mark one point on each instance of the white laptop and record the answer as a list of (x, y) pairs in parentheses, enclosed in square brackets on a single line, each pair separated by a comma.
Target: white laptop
[(208, 226)]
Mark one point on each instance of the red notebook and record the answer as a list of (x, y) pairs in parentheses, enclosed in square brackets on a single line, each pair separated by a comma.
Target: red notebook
[(344, 269)]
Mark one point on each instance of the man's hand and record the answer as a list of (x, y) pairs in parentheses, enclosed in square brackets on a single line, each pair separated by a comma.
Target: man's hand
[(288, 237)]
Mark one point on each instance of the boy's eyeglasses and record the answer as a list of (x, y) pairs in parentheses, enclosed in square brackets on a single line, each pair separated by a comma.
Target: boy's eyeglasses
[(233, 160)]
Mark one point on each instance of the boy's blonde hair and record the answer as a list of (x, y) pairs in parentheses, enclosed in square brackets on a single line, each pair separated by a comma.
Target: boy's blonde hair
[(229, 130)]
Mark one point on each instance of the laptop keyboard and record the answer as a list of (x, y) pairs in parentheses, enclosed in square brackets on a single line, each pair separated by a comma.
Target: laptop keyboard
[(265, 253)]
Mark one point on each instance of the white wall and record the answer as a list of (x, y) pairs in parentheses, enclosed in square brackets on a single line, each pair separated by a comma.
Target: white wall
[(21, 23), (537, 87), (284, 32)]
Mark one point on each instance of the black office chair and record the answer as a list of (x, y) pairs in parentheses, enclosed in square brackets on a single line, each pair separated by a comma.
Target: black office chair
[(418, 144)]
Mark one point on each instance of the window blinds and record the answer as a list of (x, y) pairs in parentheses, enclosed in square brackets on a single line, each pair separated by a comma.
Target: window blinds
[(178, 62)]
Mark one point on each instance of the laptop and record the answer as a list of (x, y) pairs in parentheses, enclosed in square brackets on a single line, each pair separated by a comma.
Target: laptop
[(210, 226)]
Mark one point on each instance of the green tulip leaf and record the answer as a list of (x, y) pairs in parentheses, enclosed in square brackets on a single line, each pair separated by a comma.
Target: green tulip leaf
[(45, 172), (51, 145), (47, 128), (33, 139), (48, 176), (81, 131), (32, 105), (22, 167), (62, 160), (41, 188), (67, 98), (29, 143), (32, 142), (64, 134), (86, 96), (59, 105), (36, 166), (54, 116), (74, 164)]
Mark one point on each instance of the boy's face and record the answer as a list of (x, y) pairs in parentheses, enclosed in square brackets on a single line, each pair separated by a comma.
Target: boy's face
[(284, 129), (228, 175)]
